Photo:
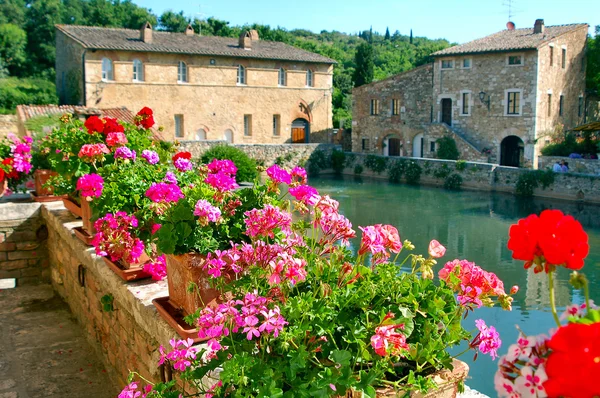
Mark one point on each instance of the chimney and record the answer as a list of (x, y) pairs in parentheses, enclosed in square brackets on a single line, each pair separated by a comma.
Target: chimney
[(510, 25), (146, 33), (254, 35), (245, 41), (189, 31), (539, 26)]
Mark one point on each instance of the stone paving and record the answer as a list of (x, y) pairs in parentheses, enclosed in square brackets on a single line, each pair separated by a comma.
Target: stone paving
[(43, 351)]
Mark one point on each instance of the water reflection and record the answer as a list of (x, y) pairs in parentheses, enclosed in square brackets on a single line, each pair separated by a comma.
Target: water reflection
[(473, 226)]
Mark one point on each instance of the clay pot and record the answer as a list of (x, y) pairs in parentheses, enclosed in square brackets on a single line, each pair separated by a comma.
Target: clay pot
[(72, 205), (86, 217), (446, 380), (140, 263), (40, 177), (3, 187), (183, 269)]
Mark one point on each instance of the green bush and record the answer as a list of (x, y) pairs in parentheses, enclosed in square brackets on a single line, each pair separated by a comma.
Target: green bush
[(245, 165), (460, 165), (338, 161), (442, 172), (358, 169), (317, 161), (31, 91), (453, 182), (588, 145), (530, 180), (412, 173), (447, 148), (396, 170), (376, 163)]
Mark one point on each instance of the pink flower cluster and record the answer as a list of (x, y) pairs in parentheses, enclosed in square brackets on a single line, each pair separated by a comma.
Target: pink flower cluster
[(170, 177), (298, 174), (436, 250), (222, 175), (287, 268), (131, 391), (335, 227), (305, 194), (181, 355), (157, 269), (206, 212), (225, 166), (387, 340), (116, 139), (124, 153), (487, 340), (250, 316), (521, 372), (264, 222), (114, 239), (183, 165), (93, 152), (150, 156), (475, 286), (378, 239), (279, 175), (90, 185), (21, 153), (160, 192)]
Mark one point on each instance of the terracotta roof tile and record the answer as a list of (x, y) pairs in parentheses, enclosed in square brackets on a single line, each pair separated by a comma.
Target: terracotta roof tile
[(179, 43), (27, 112), (509, 40)]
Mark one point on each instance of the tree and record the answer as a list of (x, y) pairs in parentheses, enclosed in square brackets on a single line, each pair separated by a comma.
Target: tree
[(13, 11), (364, 65), (593, 62), (42, 15), (173, 22), (387, 34), (12, 47)]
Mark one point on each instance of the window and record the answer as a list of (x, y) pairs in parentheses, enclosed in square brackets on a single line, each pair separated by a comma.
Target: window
[(513, 105), (580, 111), (179, 126), (466, 106), (447, 64), (182, 75), (276, 125), (241, 76), (564, 58), (549, 104), (560, 105), (107, 69), (395, 107), (515, 60), (247, 125), (309, 78), (282, 77), (432, 146), (374, 107), (466, 63), (551, 55), (365, 144), (138, 71)]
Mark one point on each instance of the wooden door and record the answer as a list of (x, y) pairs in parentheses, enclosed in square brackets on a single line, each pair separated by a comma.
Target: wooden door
[(447, 111), (394, 147), (298, 135)]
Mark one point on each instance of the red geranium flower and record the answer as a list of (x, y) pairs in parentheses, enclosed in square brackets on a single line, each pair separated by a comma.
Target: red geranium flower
[(112, 125), (2, 173), (94, 124), (552, 239), (573, 366), (145, 118), (12, 173), (182, 155)]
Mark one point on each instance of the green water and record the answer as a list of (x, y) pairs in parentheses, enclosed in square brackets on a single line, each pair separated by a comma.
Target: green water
[(473, 226)]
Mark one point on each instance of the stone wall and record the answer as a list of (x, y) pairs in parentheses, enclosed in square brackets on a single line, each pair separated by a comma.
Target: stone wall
[(582, 166), (8, 124), (466, 150), (23, 243), (488, 177)]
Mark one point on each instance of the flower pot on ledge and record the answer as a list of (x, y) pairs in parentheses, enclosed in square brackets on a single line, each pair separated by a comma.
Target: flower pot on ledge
[(73, 206), (41, 193), (129, 271)]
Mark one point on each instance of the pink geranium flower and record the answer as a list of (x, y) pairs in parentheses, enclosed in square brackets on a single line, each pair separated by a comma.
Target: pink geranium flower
[(90, 185), (436, 250)]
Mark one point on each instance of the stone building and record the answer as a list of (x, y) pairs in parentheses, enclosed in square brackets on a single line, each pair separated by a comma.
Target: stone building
[(206, 88), (499, 97)]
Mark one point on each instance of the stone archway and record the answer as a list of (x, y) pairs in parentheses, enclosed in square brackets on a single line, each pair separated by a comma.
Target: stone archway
[(392, 145), (300, 131), (228, 136), (417, 149), (201, 135), (512, 150)]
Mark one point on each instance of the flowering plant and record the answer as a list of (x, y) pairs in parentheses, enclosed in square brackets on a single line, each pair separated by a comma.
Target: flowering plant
[(15, 160), (114, 239), (302, 313)]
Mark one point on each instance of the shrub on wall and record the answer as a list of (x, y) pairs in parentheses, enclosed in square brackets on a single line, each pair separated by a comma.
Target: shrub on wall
[(338, 161), (375, 163), (396, 170), (412, 173), (442, 172), (530, 180), (447, 148), (318, 161), (453, 182), (460, 165), (245, 165), (358, 169)]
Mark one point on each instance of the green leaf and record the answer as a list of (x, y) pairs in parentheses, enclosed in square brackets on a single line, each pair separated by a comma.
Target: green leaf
[(342, 357)]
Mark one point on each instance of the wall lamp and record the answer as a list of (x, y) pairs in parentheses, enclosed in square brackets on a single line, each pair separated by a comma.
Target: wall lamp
[(482, 95)]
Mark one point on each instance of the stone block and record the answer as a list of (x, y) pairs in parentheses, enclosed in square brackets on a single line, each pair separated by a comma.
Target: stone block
[(19, 255), (28, 245), (7, 247), (12, 265)]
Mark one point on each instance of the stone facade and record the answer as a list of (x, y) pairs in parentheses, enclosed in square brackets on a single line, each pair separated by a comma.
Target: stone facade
[(8, 124), (211, 104), (23, 244), (469, 92)]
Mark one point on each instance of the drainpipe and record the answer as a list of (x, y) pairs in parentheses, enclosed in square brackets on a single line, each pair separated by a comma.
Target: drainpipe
[(83, 72)]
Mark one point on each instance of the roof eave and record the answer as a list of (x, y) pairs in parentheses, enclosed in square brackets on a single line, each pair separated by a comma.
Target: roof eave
[(508, 50)]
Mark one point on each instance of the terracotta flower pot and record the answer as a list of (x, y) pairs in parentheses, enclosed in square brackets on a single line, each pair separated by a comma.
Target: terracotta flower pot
[(183, 269), (40, 178), (86, 217), (140, 263), (446, 380), (72, 206), (3, 187)]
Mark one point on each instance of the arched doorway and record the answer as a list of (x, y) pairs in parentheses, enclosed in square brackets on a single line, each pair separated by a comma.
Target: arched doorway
[(201, 135), (391, 146), (447, 111), (300, 131), (512, 149), (418, 146), (228, 136)]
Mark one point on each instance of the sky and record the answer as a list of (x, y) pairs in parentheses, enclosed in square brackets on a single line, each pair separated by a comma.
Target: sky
[(456, 20)]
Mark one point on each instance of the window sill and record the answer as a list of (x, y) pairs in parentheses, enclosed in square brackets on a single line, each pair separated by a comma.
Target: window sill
[(241, 84), (180, 82), (512, 115), (464, 114)]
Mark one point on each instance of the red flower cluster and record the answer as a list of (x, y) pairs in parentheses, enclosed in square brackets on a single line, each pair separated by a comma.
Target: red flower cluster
[(112, 126), (574, 362), (8, 163), (181, 155), (145, 118), (94, 125), (552, 239), (107, 125)]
